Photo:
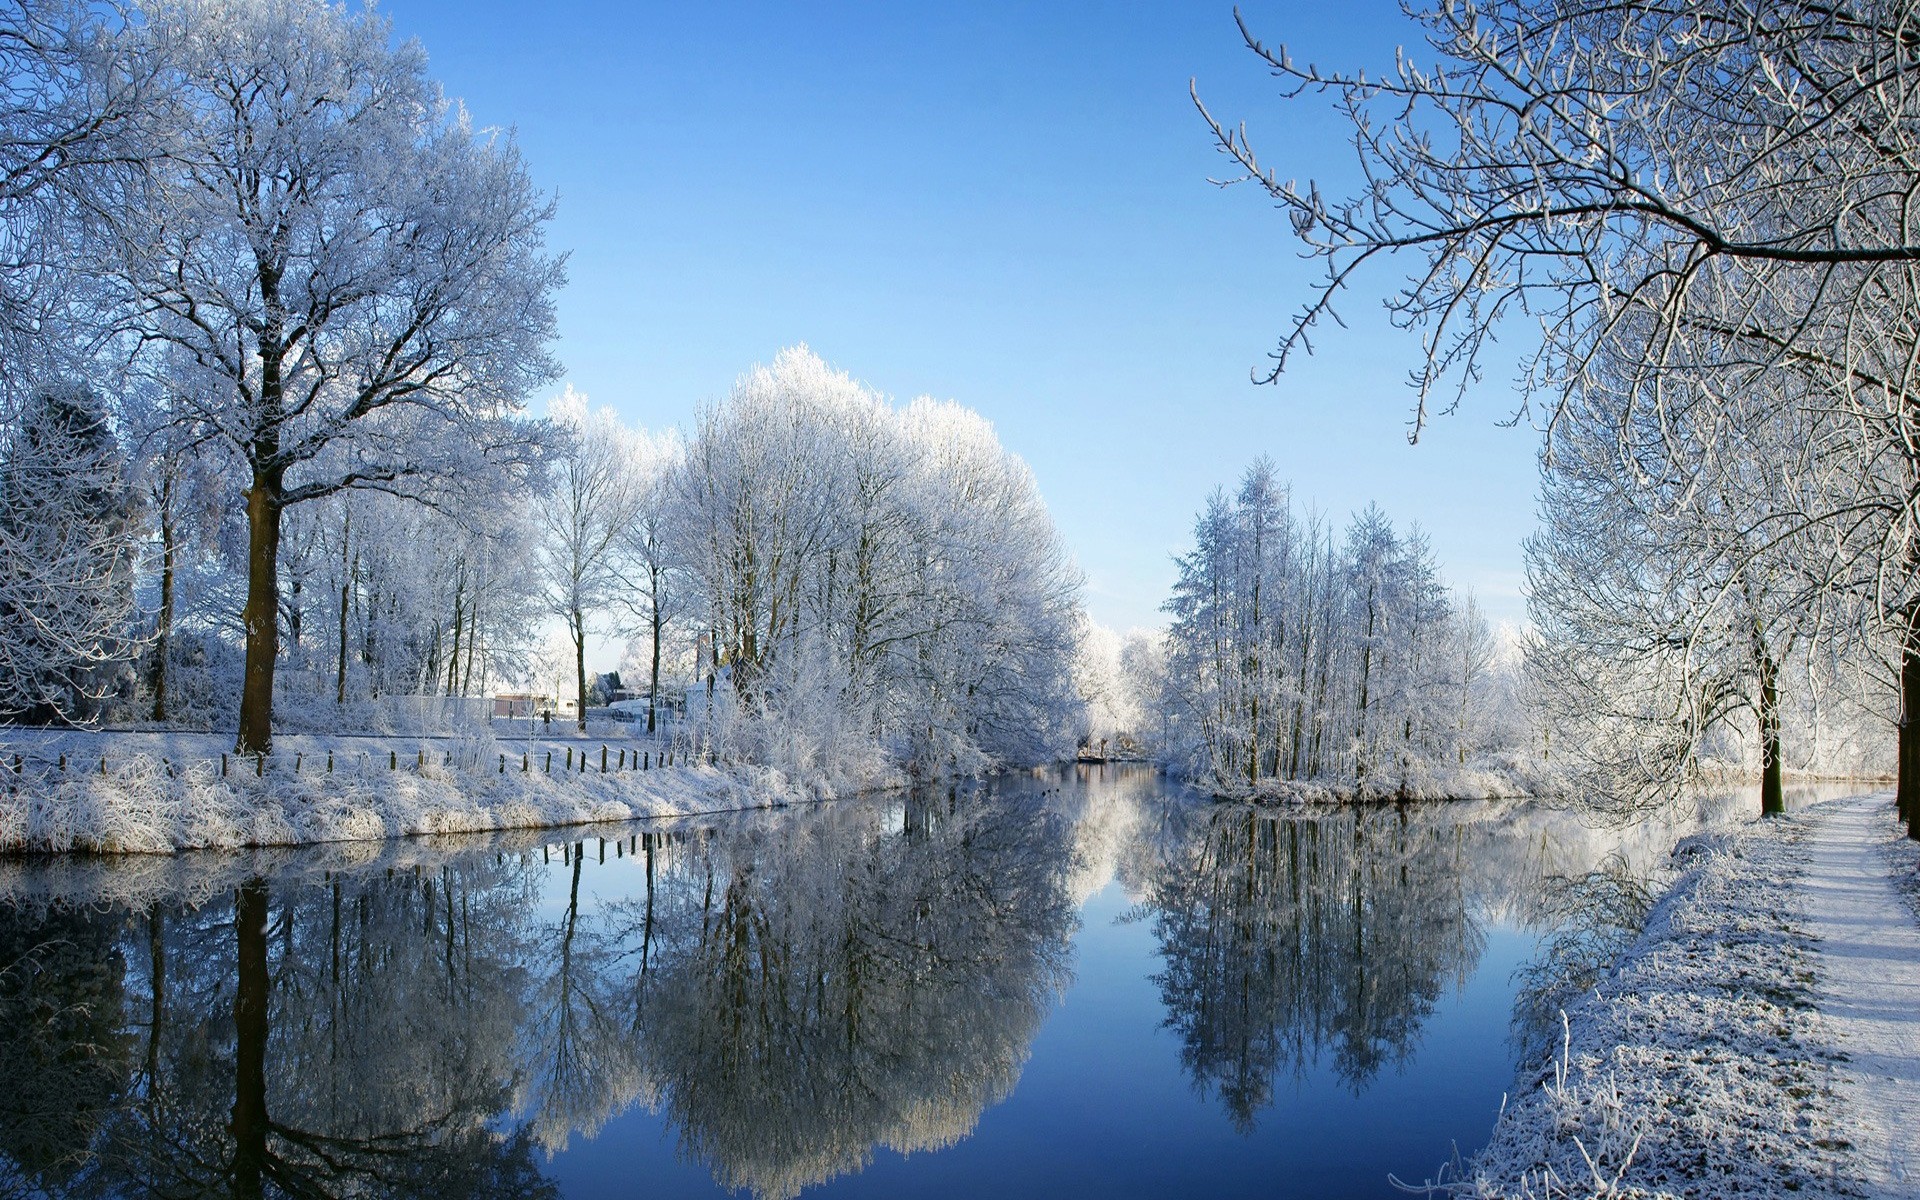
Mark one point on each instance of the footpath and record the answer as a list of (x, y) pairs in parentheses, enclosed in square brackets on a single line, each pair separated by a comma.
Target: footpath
[(1867, 959), (1760, 1038)]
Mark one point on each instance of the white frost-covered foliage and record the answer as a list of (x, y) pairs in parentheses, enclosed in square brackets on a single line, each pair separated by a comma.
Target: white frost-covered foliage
[(882, 587), (1300, 664), (1687, 1070), (1683, 609), (67, 554), (1116, 717)]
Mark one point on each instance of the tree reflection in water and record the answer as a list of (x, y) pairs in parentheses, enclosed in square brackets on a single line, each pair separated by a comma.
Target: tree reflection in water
[(876, 985), (1294, 939), (792, 993)]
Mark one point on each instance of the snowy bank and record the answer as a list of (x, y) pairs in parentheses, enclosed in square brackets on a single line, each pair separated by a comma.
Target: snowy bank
[(1694, 1067), (1422, 781), (144, 801)]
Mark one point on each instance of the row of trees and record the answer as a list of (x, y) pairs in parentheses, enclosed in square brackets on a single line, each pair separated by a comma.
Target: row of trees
[(859, 579), (1699, 217), (1296, 656), (311, 300), (287, 265)]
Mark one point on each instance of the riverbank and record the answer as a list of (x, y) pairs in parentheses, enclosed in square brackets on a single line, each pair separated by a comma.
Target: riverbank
[(1741, 1045), (1471, 781), (152, 793)]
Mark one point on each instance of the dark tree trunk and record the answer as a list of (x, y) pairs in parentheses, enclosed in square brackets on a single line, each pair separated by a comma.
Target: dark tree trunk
[(653, 685), (1908, 792), (579, 631), (163, 622), (249, 1125), (453, 660), (1772, 791), (346, 597), (261, 614)]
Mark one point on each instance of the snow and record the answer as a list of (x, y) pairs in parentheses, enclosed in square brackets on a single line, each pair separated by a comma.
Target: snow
[(1870, 982), (1700, 1065), (162, 793), (1761, 1037)]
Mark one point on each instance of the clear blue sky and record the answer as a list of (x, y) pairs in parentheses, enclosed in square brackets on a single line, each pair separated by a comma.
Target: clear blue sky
[(1005, 205)]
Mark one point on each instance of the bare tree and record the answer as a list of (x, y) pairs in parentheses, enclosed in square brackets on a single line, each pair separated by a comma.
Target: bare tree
[(583, 519), (1656, 193), (651, 550), (331, 241)]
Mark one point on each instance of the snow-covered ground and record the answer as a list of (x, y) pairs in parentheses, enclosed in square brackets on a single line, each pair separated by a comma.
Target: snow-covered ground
[(1762, 1036), (125, 792)]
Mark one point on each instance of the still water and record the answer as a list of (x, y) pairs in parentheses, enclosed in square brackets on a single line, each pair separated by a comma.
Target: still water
[(1090, 984)]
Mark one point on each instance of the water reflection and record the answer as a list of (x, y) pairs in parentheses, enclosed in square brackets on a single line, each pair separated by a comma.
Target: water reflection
[(1289, 939), (792, 995)]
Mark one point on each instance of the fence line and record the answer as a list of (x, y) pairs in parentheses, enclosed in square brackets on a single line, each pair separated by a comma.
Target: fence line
[(624, 761)]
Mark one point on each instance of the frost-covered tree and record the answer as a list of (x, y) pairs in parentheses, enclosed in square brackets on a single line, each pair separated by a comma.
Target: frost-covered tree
[(1293, 657), (583, 520), (1674, 579), (1664, 196), (650, 550), (873, 580), (331, 241), (68, 550)]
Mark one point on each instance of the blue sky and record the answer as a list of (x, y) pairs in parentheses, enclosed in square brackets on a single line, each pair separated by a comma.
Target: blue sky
[(1005, 205)]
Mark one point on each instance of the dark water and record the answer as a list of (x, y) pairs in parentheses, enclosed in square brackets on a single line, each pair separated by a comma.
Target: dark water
[(1089, 985)]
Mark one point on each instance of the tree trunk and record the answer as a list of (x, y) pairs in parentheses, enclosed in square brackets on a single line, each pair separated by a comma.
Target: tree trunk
[(1772, 792), (1908, 790), (346, 597), (261, 614), (163, 622), (653, 686), (453, 660), (579, 631)]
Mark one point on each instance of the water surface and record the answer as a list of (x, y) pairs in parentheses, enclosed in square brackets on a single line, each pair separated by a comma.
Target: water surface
[(1090, 984)]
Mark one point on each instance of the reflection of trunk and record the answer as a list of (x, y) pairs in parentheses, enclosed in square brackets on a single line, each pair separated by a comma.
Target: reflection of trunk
[(157, 976), (249, 1127), (646, 934)]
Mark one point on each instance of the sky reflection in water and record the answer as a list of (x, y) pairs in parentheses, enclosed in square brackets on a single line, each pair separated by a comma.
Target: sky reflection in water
[(1083, 986)]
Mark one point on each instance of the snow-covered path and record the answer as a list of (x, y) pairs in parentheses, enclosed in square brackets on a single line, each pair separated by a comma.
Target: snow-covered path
[(1868, 950)]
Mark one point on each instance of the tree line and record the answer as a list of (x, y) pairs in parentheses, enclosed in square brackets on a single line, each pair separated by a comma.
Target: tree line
[(1696, 218), (273, 310), (1296, 654)]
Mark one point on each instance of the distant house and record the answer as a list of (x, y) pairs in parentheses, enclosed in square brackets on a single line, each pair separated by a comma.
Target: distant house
[(523, 705)]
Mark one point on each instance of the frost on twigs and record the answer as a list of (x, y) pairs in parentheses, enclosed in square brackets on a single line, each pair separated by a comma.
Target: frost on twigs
[(1687, 1070)]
